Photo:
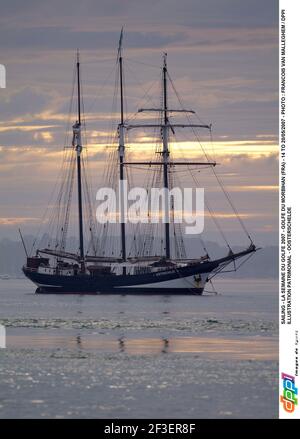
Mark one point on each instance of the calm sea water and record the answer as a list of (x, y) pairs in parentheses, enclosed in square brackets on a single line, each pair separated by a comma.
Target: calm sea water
[(128, 356)]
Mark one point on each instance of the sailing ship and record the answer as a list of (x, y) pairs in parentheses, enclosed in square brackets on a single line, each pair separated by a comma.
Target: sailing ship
[(92, 271)]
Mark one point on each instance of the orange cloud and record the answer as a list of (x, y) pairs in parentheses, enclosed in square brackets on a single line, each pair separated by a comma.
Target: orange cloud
[(13, 221)]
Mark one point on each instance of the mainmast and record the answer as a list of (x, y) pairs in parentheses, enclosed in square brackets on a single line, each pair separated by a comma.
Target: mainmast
[(165, 126), (165, 157), (121, 153), (77, 143)]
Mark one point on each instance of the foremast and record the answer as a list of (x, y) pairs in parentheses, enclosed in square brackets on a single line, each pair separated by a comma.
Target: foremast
[(165, 157), (77, 144), (121, 130)]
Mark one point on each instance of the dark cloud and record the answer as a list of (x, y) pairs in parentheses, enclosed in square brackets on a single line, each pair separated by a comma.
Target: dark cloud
[(65, 38), (222, 56), (208, 13), (26, 101)]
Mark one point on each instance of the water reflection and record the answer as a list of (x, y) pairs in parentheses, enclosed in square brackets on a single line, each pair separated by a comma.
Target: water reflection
[(252, 347), (121, 344), (78, 341), (165, 346)]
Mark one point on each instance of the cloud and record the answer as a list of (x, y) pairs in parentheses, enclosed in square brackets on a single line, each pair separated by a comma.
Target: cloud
[(213, 13), (23, 102), (254, 188), (15, 221), (222, 57), (45, 136)]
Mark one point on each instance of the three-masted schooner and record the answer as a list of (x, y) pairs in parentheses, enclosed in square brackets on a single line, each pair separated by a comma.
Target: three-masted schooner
[(55, 270)]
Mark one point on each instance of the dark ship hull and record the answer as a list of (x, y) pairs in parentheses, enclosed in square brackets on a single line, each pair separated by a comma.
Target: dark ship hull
[(183, 280), (187, 280)]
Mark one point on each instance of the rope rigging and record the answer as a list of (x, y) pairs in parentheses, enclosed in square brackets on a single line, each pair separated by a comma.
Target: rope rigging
[(102, 239), (213, 169)]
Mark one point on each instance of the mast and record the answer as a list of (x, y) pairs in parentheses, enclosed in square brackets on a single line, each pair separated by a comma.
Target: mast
[(165, 126), (23, 243), (78, 145), (165, 157), (121, 152)]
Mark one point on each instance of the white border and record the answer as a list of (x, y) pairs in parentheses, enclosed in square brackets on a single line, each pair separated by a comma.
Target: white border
[(288, 329)]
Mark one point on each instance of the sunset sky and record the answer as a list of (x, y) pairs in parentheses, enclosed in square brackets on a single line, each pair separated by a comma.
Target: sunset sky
[(222, 57)]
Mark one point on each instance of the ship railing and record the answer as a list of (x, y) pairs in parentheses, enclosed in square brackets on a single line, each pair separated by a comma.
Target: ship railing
[(31, 269)]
